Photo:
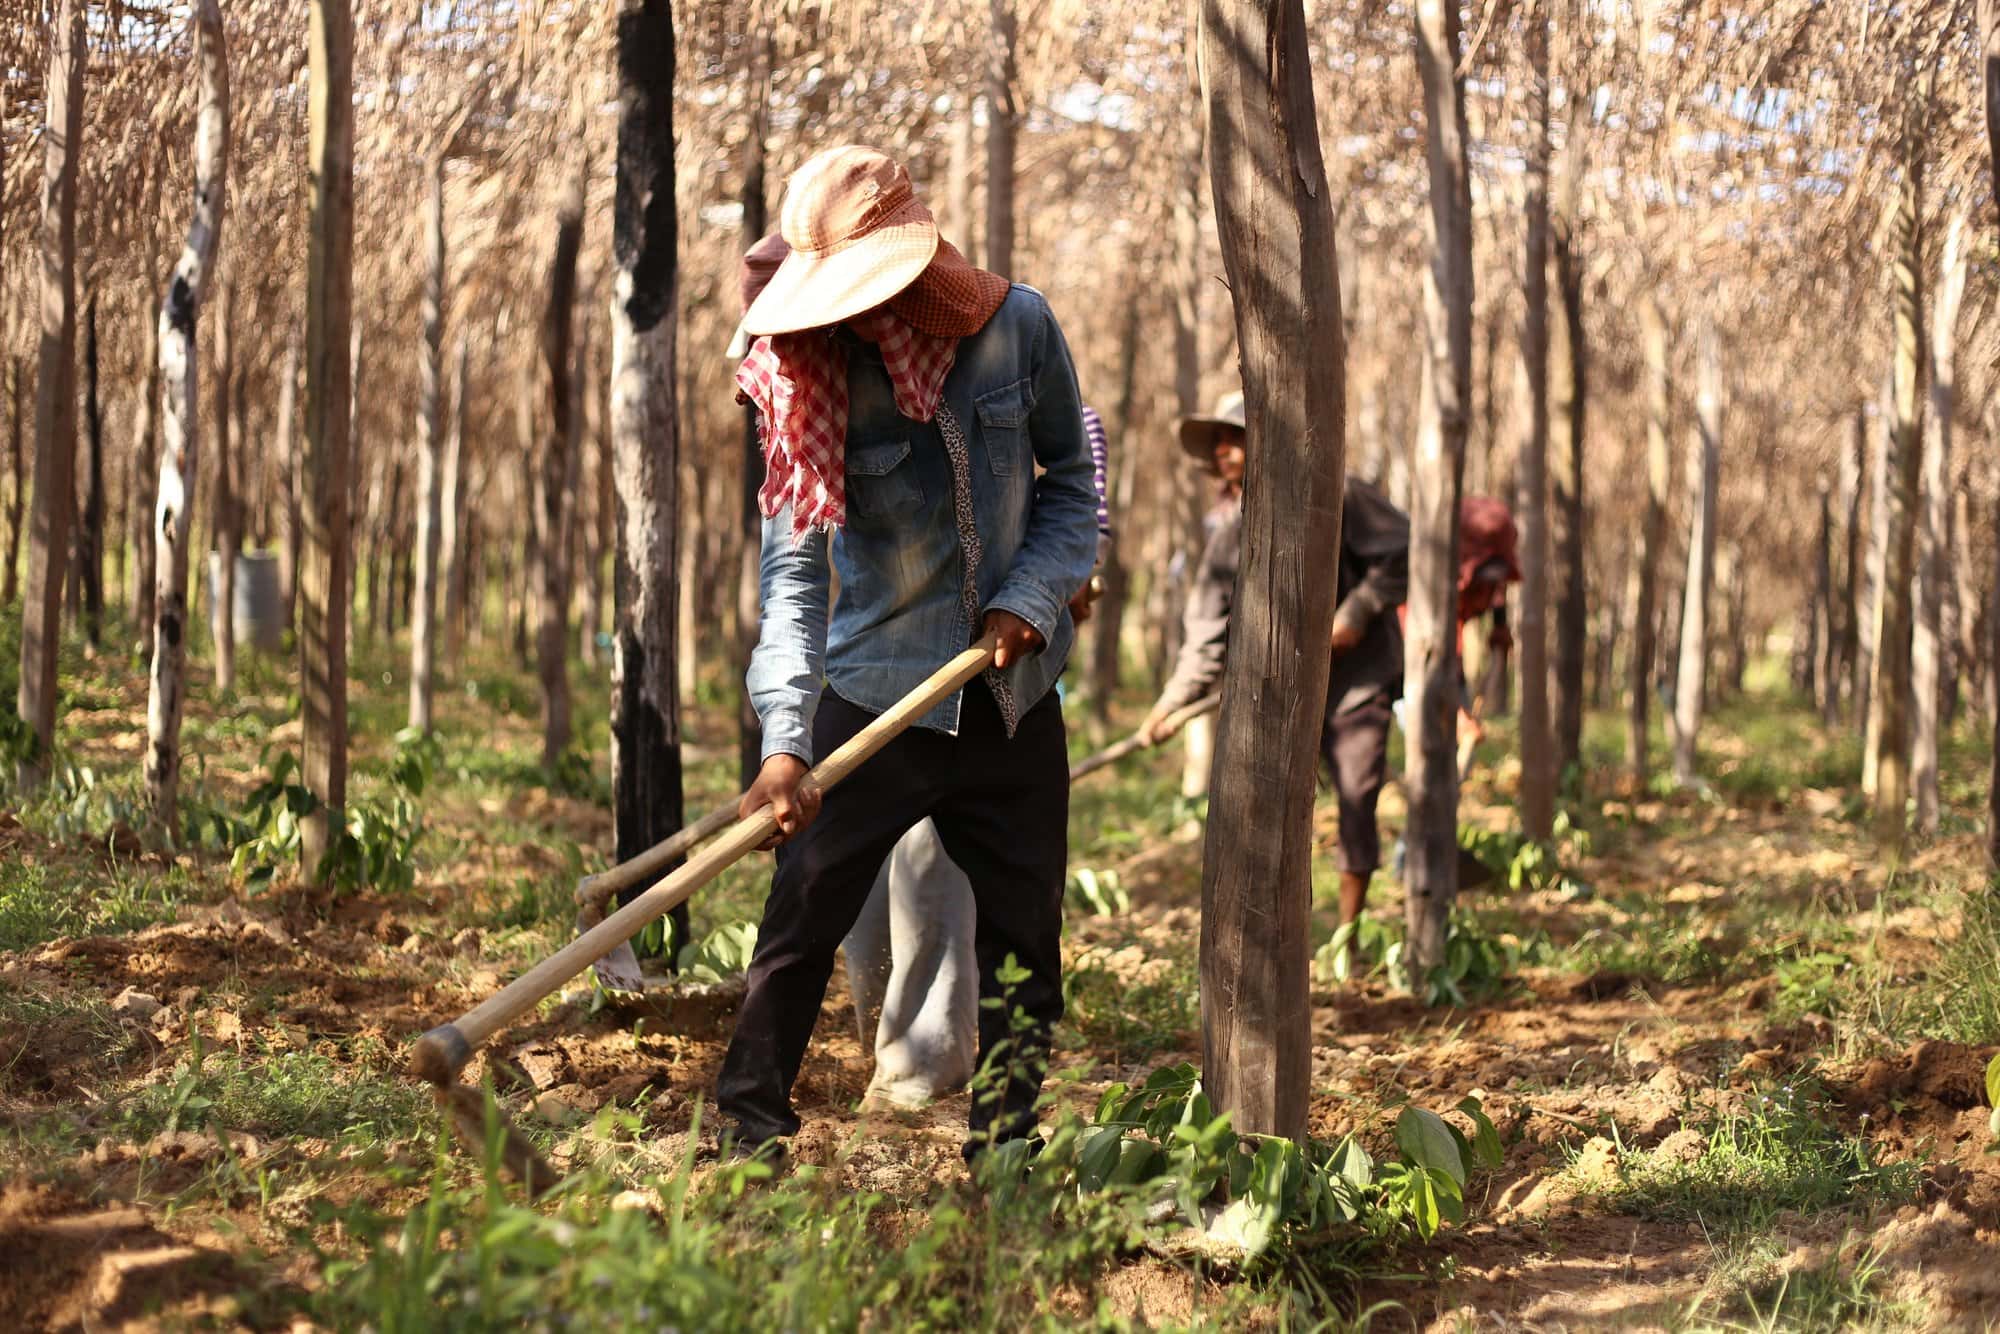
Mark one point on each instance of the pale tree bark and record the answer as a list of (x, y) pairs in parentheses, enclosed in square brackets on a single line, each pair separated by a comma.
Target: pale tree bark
[(1853, 463), (1569, 385), (1430, 657), (1703, 478), (1895, 611), (455, 521), (145, 466), (1880, 459), (1934, 530), (430, 503), (1971, 670), (180, 310), (1652, 543), (55, 392), (1278, 249), (1989, 69), (1538, 768), (556, 405), (645, 710), (749, 730), (17, 495), (287, 452), (1824, 620), (600, 536), (958, 191), (226, 519), (1003, 115), (324, 564), (90, 509)]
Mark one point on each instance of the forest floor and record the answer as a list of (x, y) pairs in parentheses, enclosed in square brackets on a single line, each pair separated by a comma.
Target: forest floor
[(1735, 1060)]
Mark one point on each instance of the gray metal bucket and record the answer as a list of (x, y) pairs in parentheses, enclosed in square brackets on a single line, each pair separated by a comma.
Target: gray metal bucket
[(259, 613)]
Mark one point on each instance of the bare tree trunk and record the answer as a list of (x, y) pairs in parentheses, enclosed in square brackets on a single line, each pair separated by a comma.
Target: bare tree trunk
[(1109, 627), (551, 637), (1277, 244), (55, 392), (1989, 69), (1735, 625), (1652, 544), (222, 596), (1968, 678), (324, 598), (145, 465), (430, 504), (596, 538), (645, 711), (1826, 679), (288, 459), (90, 532), (18, 495), (958, 191), (454, 533), (1853, 462), (1895, 614), (1003, 114), (1569, 383), (180, 458), (1431, 668), (749, 730), (1704, 467), (1934, 530), (1538, 761), (1874, 572)]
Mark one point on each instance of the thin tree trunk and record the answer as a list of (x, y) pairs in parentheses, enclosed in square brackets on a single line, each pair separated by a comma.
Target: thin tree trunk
[(1569, 385), (326, 493), (288, 459), (430, 503), (1989, 69), (1652, 544), (225, 525), (1431, 668), (1971, 675), (1277, 243), (1934, 530), (749, 730), (551, 636), (1894, 618), (958, 191), (1853, 463), (1109, 627), (601, 534), (645, 711), (145, 465), (90, 532), (1704, 467), (18, 495), (455, 532), (1876, 570), (180, 311), (55, 392), (1002, 123), (1826, 686)]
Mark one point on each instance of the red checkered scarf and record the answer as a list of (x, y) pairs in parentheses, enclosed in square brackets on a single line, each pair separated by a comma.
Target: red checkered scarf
[(798, 383)]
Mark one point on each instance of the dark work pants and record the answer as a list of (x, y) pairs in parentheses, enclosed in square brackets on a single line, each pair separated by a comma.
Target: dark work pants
[(1354, 745), (1001, 808)]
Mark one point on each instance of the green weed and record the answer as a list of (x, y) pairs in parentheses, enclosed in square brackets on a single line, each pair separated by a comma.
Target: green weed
[(288, 1093), (35, 908)]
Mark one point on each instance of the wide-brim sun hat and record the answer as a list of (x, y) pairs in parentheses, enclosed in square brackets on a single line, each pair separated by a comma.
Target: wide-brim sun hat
[(1199, 433), (858, 236)]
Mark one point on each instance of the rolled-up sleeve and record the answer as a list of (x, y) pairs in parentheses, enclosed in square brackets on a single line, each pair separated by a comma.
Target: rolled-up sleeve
[(1060, 547), (788, 668)]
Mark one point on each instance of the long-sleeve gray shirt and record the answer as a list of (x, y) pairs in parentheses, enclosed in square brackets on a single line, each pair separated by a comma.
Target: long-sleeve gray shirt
[(1374, 581)]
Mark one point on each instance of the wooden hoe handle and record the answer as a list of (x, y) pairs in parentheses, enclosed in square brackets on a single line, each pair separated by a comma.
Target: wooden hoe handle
[(1118, 750), (441, 1053)]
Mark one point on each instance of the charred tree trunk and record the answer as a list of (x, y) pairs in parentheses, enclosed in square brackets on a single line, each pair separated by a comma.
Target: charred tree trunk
[(55, 392), (324, 598), (1894, 618), (551, 635), (179, 458), (90, 529), (1652, 546), (1431, 668), (1538, 760), (1704, 467), (1569, 382), (1934, 532), (1003, 114), (225, 523), (645, 711), (1278, 249), (430, 503)]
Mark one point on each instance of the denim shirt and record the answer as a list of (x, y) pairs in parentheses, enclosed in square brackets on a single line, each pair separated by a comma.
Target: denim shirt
[(900, 614)]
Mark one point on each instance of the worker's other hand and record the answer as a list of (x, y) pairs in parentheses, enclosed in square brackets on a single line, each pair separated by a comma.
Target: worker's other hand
[(1346, 634), (1018, 639), (1159, 725), (1085, 602), (781, 785), (1470, 728)]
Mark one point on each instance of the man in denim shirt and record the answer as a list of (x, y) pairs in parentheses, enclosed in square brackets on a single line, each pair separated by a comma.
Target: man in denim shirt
[(924, 438)]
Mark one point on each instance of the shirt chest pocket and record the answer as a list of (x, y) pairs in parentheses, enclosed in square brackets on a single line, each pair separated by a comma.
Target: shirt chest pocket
[(882, 482), (1003, 426)]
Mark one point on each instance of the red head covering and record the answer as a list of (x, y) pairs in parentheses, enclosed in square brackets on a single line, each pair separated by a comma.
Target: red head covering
[(1486, 535)]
